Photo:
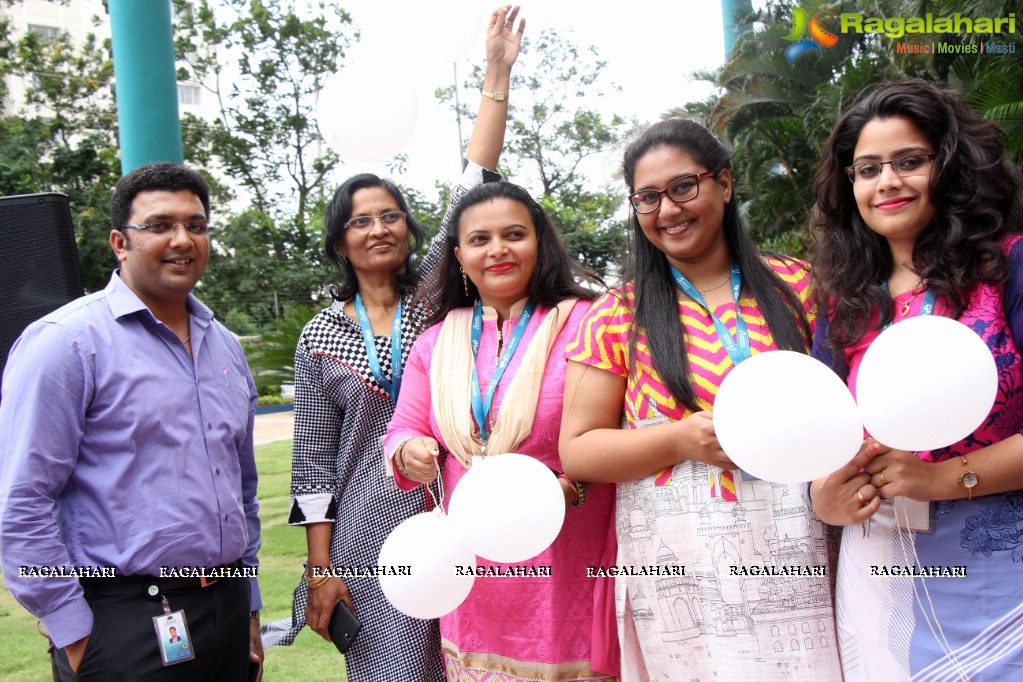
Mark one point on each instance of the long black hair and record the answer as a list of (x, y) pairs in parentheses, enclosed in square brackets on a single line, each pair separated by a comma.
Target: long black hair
[(555, 277), (656, 302), (974, 191), (339, 211)]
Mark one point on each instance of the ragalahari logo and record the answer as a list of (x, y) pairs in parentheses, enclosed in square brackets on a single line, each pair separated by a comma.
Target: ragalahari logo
[(819, 37)]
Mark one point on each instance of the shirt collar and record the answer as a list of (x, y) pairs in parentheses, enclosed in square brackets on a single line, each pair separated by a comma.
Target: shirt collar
[(123, 301)]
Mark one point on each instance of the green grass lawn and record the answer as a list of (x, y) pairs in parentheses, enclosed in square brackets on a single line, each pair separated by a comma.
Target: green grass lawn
[(309, 659)]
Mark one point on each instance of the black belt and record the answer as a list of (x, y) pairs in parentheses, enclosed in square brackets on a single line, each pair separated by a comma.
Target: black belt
[(142, 584)]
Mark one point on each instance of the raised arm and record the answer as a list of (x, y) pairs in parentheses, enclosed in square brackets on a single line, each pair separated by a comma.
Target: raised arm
[(487, 139), (503, 43)]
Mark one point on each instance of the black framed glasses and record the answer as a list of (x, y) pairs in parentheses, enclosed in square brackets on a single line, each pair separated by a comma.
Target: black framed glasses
[(197, 229), (680, 190), (364, 222), (904, 166)]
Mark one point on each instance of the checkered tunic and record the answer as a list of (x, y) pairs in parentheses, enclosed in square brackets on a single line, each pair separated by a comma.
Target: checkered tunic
[(338, 475)]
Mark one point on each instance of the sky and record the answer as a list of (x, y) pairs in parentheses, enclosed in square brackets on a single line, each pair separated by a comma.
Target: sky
[(650, 46)]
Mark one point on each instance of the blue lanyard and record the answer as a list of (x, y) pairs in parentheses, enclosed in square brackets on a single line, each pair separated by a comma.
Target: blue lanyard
[(738, 348), (481, 405), (394, 385), (927, 308)]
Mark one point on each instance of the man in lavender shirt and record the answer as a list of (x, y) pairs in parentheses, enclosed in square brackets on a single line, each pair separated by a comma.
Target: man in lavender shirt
[(126, 447)]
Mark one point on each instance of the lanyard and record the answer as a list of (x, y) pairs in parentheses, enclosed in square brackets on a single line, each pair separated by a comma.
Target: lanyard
[(394, 385), (926, 308), (736, 351), (481, 404)]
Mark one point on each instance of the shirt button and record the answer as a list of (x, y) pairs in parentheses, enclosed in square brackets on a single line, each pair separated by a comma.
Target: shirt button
[(218, 472), (209, 426), (225, 517)]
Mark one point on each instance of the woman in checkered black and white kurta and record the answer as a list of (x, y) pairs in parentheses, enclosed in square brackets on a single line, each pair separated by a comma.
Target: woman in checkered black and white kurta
[(341, 414), (338, 476)]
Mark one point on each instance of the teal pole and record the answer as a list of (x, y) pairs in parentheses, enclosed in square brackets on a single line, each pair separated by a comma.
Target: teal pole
[(732, 13), (146, 82)]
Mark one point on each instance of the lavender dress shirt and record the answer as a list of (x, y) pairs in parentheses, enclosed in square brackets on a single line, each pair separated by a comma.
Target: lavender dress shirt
[(118, 450)]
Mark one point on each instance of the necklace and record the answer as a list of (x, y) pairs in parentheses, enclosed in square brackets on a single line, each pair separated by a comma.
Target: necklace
[(904, 306), (187, 339), (704, 291)]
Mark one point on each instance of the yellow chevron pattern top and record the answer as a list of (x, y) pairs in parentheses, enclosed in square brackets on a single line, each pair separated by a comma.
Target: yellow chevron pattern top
[(603, 342)]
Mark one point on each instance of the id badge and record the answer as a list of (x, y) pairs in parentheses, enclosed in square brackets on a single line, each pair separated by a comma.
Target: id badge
[(173, 638), (914, 515)]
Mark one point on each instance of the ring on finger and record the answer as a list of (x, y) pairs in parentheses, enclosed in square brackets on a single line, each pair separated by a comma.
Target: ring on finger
[(880, 477), (862, 498)]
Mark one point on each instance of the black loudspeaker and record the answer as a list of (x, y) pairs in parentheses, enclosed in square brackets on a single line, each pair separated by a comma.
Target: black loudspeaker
[(39, 270)]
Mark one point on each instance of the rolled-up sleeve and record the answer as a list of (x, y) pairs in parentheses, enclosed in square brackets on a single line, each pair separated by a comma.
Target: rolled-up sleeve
[(412, 413), (314, 453)]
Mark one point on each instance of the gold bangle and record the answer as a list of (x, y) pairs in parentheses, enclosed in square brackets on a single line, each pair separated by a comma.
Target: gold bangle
[(315, 581), (496, 96), (399, 459)]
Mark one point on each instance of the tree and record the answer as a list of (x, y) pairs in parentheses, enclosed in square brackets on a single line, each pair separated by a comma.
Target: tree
[(778, 115), (552, 133), (266, 140), (63, 137), (267, 131)]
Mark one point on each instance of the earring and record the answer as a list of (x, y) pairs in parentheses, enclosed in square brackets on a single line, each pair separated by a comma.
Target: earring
[(465, 281)]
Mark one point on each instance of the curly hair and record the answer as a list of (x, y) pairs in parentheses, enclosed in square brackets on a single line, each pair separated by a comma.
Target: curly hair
[(555, 277), (974, 190), (339, 211), (656, 303), (162, 176)]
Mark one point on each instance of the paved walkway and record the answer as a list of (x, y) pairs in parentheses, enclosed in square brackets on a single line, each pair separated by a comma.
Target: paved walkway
[(273, 426)]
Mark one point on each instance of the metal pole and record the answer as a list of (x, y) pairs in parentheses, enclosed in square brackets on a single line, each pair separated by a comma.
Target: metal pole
[(458, 117), (146, 82)]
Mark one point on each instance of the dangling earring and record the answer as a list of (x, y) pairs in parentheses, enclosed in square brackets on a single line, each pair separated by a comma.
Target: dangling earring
[(465, 281)]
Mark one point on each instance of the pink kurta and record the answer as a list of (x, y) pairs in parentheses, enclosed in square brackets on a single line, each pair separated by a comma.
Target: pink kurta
[(515, 628)]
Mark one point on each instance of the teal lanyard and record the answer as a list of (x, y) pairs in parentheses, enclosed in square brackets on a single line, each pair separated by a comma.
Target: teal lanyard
[(738, 348), (394, 385), (481, 404), (927, 308)]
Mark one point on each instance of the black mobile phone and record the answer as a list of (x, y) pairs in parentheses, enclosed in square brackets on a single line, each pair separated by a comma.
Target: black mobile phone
[(254, 670), (344, 626)]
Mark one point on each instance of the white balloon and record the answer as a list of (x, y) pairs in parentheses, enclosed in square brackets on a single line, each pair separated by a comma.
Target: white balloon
[(433, 552), (367, 112), (785, 417), (925, 383), (508, 507)]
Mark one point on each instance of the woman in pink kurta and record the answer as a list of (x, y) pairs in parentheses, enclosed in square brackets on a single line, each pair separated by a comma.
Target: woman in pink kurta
[(509, 628)]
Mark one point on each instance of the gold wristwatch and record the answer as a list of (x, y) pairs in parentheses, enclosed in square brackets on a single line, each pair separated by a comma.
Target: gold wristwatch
[(968, 479)]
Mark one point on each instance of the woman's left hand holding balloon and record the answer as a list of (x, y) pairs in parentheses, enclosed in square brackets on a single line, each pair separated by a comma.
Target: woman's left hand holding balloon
[(847, 496), (899, 473)]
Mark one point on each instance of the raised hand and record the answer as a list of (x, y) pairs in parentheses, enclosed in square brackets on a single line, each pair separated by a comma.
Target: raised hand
[(503, 41)]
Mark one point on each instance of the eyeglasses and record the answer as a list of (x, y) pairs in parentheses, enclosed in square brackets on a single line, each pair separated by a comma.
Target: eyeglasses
[(904, 166), (363, 222), (682, 189), (197, 229)]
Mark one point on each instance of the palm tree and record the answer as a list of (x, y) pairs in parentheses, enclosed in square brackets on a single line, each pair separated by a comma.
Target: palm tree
[(777, 114)]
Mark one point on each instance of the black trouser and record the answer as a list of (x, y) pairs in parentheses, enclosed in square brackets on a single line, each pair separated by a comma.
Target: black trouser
[(123, 644)]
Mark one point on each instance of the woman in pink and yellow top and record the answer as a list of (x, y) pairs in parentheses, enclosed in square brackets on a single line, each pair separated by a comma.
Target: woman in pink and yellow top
[(508, 275), (919, 211), (699, 300)]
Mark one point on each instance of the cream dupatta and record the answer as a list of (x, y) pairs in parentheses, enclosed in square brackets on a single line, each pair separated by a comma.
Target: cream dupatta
[(451, 375)]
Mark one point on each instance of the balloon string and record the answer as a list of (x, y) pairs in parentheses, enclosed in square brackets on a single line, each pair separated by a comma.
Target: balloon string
[(437, 504), (932, 618)]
